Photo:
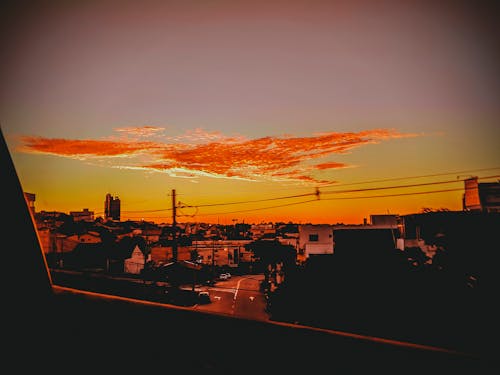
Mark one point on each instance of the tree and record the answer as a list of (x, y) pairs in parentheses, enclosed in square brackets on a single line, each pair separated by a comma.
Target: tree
[(193, 255), (272, 252)]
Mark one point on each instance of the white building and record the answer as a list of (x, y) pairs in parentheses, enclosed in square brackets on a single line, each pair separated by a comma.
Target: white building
[(315, 239)]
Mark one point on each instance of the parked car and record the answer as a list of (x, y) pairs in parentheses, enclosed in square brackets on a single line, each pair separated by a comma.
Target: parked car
[(224, 276), (204, 297)]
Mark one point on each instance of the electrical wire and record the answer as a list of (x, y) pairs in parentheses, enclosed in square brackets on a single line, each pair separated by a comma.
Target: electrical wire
[(258, 209), (317, 194), (395, 195), (401, 186), (420, 176), (252, 201)]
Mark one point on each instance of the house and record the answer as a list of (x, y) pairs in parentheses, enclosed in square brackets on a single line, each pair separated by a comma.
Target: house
[(314, 239), (258, 231), (222, 252), (84, 215), (163, 254), (134, 254), (65, 244), (135, 263)]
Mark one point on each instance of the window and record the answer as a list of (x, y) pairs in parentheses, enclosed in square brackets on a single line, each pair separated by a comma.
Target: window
[(313, 238)]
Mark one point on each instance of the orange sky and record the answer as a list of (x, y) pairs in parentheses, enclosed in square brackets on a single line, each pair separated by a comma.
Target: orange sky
[(244, 101)]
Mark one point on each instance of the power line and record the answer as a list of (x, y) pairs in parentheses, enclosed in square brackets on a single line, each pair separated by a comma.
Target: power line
[(420, 176), (401, 186), (146, 211), (221, 204), (316, 193), (389, 179), (396, 195), (250, 201), (343, 198), (258, 209)]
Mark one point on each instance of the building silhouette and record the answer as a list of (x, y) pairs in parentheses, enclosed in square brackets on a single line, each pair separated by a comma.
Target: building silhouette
[(484, 196), (112, 208), (84, 215)]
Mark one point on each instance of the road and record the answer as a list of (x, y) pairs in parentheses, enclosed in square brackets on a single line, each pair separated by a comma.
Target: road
[(238, 296)]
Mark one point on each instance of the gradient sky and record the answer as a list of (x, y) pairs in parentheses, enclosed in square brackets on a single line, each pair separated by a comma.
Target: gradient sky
[(227, 101)]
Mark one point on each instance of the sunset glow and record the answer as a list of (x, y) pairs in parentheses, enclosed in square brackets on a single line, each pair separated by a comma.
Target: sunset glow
[(246, 101)]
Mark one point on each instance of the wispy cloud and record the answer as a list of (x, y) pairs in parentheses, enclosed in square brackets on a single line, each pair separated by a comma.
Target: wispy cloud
[(200, 135), (211, 154), (142, 131), (84, 147), (332, 165)]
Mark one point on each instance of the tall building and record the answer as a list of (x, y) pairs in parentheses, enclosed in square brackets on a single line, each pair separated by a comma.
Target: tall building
[(112, 208), (484, 196)]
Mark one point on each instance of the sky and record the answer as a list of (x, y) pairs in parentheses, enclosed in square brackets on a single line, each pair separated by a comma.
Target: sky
[(250, 101)]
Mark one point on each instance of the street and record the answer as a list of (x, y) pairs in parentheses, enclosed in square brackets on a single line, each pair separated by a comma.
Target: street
[(238, 296)]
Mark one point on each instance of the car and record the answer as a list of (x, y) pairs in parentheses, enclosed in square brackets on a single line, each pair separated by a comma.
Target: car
[(224, 276), (204, 297)]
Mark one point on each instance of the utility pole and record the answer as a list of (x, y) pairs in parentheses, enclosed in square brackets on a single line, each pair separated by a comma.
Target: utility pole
[(213, 257), (174, 228)]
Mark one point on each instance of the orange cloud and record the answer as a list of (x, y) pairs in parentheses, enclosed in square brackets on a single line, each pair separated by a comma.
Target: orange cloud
[(200, 135), (143, 131), (84, 147), (332, 165), (275, 158)]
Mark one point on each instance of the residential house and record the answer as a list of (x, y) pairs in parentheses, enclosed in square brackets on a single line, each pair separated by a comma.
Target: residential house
[(135, 263), (314, 239), (163, 254), (84, 215), (222, 252), (258, 231)]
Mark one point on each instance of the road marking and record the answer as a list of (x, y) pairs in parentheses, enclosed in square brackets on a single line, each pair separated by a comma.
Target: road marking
[(237, 288)]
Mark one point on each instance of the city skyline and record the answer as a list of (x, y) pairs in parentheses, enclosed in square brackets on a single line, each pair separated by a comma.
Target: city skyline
[(249, 101)]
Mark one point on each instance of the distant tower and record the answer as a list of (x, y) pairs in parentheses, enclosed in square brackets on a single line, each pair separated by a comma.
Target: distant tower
[(112, 208)]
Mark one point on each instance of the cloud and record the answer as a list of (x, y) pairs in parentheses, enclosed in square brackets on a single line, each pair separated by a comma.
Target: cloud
[(143, 131), (85, 147), (218, 156), (200, 135), (332, 165)]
